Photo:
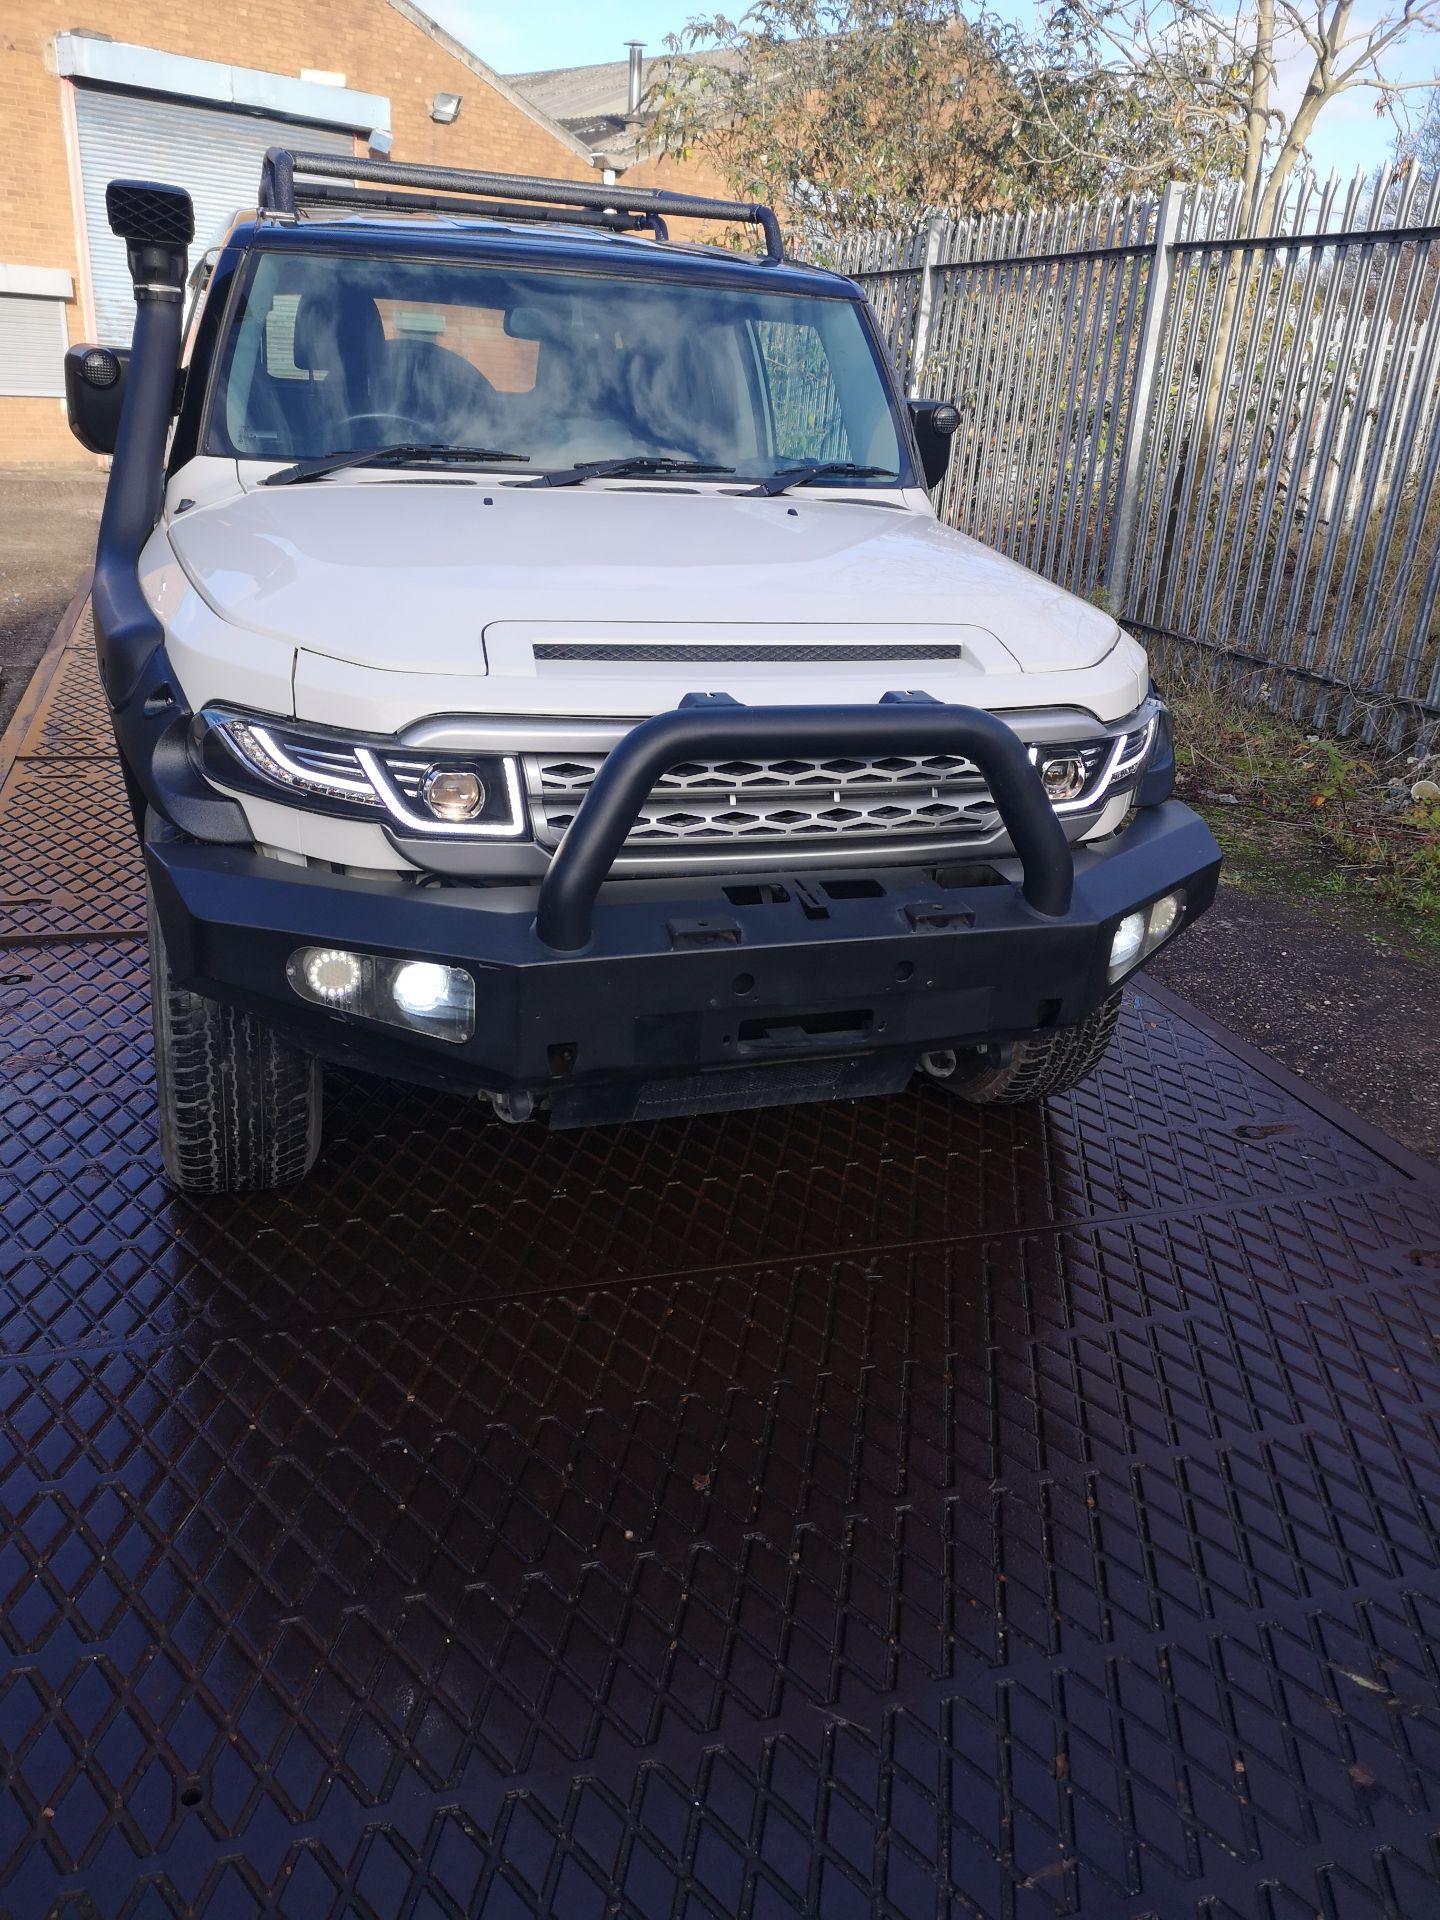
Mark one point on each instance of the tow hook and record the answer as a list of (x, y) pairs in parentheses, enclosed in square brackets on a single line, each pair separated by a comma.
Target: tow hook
[(945, 1061)]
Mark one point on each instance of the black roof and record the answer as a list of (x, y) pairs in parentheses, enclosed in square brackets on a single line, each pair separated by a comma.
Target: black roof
[(518, 243)]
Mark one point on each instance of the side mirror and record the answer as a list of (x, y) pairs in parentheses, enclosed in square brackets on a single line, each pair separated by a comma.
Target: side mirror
[(935, 423), (95, 393)]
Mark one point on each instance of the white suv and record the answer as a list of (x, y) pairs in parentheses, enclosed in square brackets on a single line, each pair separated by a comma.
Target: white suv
[(539, 672)]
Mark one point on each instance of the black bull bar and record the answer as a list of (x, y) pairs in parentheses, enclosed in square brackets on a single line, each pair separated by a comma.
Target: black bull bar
[(722, 731)]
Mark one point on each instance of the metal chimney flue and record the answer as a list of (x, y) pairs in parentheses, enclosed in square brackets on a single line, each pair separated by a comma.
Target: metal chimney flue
[(636, 87)]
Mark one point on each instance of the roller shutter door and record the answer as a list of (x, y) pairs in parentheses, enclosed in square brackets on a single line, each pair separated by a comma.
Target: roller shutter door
[(32, 345), (214, 154)]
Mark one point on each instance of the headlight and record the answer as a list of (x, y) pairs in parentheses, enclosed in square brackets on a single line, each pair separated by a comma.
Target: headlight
[(332, 773), (1079, 776), (1064, 776), (1134, 748), (459, 796), (452, 793)]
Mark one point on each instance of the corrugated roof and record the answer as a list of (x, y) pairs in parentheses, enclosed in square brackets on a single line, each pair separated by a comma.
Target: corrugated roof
[(589, 102)]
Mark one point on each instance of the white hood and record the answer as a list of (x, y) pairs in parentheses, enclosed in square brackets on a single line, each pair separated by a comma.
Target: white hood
[(429, 578)]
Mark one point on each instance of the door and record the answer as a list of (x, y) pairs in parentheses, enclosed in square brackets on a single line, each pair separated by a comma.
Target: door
[(214, 154)]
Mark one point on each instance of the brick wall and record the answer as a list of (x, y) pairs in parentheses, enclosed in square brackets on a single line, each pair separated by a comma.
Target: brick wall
[(381, 46)]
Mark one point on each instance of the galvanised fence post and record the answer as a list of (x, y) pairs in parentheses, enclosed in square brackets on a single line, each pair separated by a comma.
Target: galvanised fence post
[(925, 305), (1142, 394), (1233, 438)]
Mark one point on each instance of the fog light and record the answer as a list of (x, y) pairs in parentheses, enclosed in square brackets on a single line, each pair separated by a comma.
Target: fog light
[(1126, 946), (453, 793), (1064, 777), (421, 996), (1164, 918), (332, 975), (1138, 934), (421, 987)]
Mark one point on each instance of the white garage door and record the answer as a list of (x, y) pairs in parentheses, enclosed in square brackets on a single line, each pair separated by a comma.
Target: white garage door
[(215, 155), (32, 345)]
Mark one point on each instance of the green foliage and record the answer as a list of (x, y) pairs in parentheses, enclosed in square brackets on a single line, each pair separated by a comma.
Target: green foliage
[(862, 113), (1322, 797), (847, 112)]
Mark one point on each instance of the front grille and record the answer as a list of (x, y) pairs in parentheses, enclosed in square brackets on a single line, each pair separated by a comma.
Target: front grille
[(723, 652), (751, 802), (573, 773)]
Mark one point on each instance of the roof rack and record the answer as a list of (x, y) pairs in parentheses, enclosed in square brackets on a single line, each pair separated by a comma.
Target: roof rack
[(503, 195)]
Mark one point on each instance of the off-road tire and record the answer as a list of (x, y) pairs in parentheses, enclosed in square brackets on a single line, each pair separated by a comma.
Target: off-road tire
[(239, 1105), (1046, 1063)]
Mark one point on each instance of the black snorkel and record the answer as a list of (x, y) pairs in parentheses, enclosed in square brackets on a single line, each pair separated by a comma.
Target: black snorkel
[(157, 224)]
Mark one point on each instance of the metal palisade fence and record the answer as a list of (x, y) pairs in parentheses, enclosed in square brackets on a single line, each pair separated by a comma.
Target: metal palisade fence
[(1233, 441)]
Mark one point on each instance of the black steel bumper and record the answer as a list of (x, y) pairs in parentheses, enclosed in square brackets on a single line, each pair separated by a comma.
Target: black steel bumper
[(816, 994)]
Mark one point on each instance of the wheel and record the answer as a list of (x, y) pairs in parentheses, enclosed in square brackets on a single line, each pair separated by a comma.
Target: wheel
[(1046, 1063), (239, 1105)]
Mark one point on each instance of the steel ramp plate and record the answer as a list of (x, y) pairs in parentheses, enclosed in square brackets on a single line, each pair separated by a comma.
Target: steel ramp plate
[(868, 1509)]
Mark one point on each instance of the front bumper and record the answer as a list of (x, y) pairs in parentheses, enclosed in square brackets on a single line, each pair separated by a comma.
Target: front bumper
[(812, 995)]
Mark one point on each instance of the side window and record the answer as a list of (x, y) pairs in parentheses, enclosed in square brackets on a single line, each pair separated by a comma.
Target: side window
[(805, 418)]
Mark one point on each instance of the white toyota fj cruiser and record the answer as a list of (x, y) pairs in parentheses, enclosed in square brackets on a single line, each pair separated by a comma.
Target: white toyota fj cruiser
[(539, 672)]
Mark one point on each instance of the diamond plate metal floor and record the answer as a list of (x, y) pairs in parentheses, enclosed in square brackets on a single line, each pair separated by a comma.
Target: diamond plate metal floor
[(848, 1511)]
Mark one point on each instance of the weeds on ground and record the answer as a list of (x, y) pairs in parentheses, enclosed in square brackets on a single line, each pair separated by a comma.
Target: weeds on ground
[(1344, 813)]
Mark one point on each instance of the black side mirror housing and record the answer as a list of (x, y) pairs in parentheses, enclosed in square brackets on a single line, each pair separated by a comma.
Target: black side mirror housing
[(935, 423), (95, 394)]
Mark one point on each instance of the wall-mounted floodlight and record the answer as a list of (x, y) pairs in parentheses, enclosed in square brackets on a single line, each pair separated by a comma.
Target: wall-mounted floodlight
[(445, 106), (381, 141)]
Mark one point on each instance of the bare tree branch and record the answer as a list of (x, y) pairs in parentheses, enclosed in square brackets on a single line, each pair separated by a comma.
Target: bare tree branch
[(871, 111)]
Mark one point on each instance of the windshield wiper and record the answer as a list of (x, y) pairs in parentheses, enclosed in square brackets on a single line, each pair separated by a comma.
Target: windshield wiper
[(635, 463), (421, 453), (798, 476)]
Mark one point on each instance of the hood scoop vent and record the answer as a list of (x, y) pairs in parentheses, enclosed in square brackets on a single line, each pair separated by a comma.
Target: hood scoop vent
[(683, 654)]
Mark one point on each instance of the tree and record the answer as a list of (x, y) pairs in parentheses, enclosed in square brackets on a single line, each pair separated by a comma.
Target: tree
[(1418, 144), (866, 112), (850, 113), (861, 113), (1220, 67), (1087, 125)]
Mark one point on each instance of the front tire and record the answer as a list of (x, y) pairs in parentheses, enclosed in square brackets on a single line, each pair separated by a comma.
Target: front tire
[(240, 1106), (1045, 1064)]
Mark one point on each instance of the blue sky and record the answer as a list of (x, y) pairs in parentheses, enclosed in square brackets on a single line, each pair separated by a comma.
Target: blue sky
[(561, 33), (566, 33)]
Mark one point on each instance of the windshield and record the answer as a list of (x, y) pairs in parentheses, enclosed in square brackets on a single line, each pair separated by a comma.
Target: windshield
[(333, 352)]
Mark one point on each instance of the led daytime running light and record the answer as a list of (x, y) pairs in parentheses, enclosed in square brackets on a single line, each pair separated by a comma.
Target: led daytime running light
[(265, 750)]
